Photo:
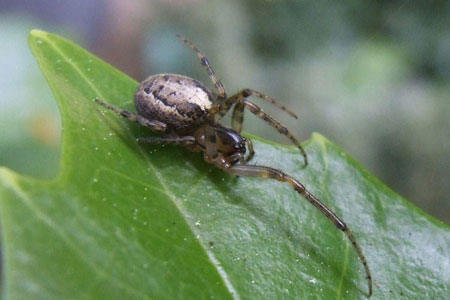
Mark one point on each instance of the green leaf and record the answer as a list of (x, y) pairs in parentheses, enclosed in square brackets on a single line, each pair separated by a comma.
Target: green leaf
[(127, 221)]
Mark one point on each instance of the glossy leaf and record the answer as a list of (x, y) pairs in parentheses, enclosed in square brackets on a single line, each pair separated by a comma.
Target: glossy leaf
[(128, 221)]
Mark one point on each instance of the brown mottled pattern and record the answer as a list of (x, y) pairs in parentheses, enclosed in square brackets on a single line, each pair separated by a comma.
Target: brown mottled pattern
[(178, 101)]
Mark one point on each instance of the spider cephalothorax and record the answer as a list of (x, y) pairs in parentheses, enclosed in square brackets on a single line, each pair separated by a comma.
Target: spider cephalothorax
[(188, 114)]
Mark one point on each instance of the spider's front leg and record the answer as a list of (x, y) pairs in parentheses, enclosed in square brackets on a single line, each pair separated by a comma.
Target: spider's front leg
[(251, 151), (267, 172), (245, 93), (256, 110), (221, 108), (210, 153)]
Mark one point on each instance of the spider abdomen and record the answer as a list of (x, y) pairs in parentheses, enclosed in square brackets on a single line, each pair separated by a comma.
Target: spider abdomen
[(180, 102)]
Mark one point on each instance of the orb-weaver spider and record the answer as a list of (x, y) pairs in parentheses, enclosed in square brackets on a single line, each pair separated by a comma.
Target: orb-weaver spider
[(189, 114)]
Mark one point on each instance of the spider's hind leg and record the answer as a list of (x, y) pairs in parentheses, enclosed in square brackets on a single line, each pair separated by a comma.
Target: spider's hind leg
[(152, 124), (176, 140)]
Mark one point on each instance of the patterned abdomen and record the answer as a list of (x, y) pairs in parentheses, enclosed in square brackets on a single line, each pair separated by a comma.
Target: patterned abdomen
[(179, 101)]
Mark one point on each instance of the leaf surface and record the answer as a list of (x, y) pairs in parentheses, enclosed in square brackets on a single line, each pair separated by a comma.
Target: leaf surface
[(131, 221)]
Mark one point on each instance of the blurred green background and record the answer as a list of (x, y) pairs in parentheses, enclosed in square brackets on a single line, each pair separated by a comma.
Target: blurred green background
[(373, 76)]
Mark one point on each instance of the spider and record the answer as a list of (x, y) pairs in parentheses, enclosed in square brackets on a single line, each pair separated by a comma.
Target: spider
[(188, 114)]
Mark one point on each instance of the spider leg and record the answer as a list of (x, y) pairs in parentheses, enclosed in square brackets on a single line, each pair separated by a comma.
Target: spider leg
[(237, 118), (225, 106), (211, 152), (256, 110), (251, 151), (152, 124), (176, 140), (205, 63), (237, 157), (267, 172)]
